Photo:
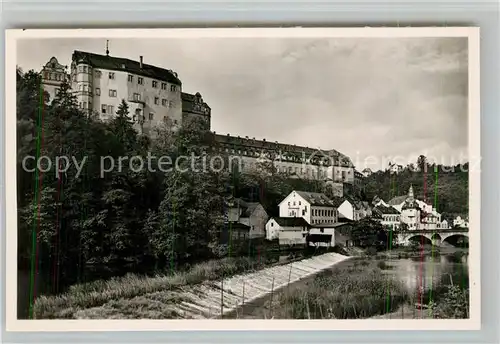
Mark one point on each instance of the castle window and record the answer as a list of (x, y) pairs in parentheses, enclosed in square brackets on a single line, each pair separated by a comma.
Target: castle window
[(85, 69), (170, 104), (172, 88), (112, 93), (110, 109), (175, 121), (157, 100), (104, 108), (155, 84), (130, 78), (151, 116), (98, 73), (111, 75), (163, 86), (137, 97), (80, 69), (140, 81), (134, 118), (97, 91), (164, 102)]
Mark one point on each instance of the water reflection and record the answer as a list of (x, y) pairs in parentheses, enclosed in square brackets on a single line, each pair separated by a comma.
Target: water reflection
[(428, 272)]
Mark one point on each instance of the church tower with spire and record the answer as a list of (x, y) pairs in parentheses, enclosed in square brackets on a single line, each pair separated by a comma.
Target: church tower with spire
[(410, 212)]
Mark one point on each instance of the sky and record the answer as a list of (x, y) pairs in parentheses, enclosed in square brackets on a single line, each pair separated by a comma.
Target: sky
[(370, 98)]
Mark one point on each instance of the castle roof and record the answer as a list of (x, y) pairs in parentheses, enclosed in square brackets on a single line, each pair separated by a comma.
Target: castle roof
[(298, 152), (126, 65)]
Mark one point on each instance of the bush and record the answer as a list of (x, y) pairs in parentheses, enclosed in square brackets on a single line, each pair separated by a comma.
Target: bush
[(454, 304)]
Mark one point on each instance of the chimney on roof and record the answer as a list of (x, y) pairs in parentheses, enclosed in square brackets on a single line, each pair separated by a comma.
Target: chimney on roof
[(264, 140), (107, 46), (140, 61)]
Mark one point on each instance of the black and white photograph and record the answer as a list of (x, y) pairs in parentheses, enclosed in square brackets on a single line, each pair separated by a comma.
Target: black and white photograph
[(243, 174)]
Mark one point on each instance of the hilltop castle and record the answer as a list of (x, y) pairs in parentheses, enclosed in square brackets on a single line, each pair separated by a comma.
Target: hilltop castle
[(155, 94)]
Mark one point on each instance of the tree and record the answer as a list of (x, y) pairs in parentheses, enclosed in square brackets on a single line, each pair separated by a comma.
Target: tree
[(422, 163), (122, 129), (370, 233)]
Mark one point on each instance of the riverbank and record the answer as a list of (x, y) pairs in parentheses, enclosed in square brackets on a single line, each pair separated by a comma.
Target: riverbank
[(362, 288), (98, 293), (408, 252), (205, 291), (242, 288), (353, 289)]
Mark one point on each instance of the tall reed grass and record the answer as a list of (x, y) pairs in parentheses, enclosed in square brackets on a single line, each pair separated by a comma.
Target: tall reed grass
[(97, 293), (342, 293)]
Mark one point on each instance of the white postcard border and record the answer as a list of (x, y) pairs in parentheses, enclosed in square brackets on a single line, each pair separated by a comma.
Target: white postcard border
[(13, 324)]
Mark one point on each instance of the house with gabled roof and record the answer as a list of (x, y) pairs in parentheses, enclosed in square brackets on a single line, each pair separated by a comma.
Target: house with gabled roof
[(388, 216), (314, 207), (251, 215), (289, 230), (353, 209)]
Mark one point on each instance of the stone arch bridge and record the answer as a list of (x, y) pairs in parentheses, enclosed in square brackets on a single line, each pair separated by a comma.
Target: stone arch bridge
[(435, 236)]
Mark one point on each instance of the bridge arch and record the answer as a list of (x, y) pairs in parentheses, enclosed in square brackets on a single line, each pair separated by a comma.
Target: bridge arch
[(457, 239), (419, 238)]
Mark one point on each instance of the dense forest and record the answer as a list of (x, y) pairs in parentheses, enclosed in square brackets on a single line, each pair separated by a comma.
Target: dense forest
[(445, 187), (76, 226)]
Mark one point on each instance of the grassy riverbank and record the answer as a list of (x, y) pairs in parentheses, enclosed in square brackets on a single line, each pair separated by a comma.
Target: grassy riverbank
[(142, 295), (98, 293), (354, 289), (359, 289)]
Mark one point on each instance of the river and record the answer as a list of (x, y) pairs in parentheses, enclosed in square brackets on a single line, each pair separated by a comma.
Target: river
[(424, 278), (429, 273)]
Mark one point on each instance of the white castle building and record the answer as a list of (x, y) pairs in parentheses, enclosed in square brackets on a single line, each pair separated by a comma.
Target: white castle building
[(154, 95), (101, 82)]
